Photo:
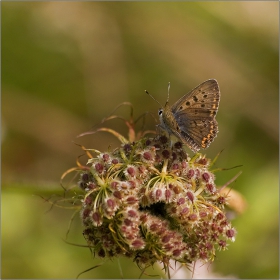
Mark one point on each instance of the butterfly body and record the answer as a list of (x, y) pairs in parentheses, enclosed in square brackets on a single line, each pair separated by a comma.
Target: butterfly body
[(192, 118)]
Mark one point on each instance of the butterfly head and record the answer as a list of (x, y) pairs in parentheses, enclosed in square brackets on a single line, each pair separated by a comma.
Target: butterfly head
[(163, 112), (160, 114)]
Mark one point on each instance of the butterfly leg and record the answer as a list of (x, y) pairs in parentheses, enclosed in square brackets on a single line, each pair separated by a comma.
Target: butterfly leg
[(160, 128)]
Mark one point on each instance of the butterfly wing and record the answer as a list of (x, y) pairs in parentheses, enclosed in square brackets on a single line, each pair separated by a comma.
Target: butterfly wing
[(195, 115)]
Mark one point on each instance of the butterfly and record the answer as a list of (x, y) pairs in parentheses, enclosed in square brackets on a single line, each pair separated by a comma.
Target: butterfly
[(192, 118)]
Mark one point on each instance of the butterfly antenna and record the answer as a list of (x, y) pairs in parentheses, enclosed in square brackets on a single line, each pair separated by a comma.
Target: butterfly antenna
[(153, 98), (168, 90)]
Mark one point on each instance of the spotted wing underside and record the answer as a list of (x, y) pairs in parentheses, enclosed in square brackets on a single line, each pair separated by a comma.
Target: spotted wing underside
[(195, 115)]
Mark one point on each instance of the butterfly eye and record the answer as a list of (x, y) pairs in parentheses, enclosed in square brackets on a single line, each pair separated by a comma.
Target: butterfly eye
[(160, 112)]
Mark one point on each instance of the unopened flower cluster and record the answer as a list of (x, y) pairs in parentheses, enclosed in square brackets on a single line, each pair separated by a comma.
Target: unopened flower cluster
[(149, 201)]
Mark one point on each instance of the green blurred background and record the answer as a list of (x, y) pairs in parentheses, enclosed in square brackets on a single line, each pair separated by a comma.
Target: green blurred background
[(66, 65)]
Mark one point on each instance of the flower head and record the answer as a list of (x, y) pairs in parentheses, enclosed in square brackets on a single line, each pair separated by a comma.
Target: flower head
[(156, 204), (150, 201)]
